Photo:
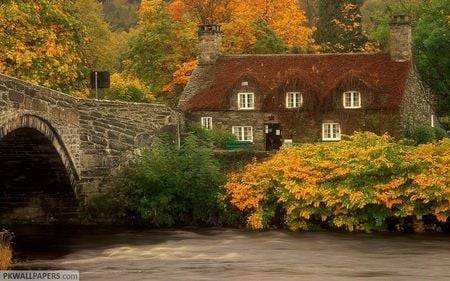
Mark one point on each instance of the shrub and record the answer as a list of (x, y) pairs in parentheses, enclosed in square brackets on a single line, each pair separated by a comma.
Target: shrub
[(166, 186), (5, 249), (440, 133), (422, 135), (128, 88), (234, 160), (355, 185), (214, 137), (5, 257)]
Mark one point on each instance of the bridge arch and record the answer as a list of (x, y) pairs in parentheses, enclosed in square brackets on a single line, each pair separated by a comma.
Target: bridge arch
[(37, 177), (45, 128)]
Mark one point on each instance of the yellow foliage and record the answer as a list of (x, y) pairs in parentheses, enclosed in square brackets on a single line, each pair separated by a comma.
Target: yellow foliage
[(239, 18), (355, 184), (5, 257), (128, 88), (41, 42)]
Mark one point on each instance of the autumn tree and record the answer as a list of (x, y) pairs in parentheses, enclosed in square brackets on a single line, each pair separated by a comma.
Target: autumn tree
[(264, 26), (180, 77), (241, 20), (128, 88), (41, 42)]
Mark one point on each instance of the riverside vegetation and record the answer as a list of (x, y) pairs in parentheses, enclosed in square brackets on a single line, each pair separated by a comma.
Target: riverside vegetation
[(366, 183), (5, 249)]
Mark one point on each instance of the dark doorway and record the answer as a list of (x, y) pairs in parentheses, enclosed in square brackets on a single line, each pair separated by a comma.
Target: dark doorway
[(273, 136), (34, 184)]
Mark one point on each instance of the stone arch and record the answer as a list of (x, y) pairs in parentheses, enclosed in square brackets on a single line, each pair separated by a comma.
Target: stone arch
[(45, 128)]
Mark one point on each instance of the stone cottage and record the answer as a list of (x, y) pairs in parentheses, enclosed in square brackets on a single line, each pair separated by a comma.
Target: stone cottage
[(270, 99)]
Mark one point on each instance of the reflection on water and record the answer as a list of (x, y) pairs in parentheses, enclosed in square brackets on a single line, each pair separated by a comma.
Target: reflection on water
[(225, 254)]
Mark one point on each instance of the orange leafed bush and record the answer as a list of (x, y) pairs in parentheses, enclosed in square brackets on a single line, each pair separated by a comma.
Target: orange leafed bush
[(355, 184), (5, 257)]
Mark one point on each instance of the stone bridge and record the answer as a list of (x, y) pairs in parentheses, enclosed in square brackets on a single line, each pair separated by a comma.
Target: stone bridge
[(57, 150)]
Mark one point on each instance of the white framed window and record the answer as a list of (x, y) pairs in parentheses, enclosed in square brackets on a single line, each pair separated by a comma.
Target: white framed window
[(246, 100), (352, 99), (243, 133), (331, 131), (206, 123), (294, 99)]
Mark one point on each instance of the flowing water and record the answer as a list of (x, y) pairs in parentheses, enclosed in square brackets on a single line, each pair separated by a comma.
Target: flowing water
[(228, 254)]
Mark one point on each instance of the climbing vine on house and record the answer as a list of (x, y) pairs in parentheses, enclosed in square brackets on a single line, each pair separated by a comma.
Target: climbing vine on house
[(354, 185)]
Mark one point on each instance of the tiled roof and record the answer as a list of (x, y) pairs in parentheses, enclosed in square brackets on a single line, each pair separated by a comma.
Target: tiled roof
[(322, 74)]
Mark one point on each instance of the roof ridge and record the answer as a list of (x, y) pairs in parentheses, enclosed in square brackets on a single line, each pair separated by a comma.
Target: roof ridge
[(300, 55)]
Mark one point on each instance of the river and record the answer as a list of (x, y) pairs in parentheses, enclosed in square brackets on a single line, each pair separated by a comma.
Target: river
[(228, 254)]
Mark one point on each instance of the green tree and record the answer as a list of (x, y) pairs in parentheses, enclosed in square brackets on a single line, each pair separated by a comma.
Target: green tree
[(41, 42), (339, 27), (267, 41), (98, 48), (432, 50), (122, 15), (431, 37), (160, 46)]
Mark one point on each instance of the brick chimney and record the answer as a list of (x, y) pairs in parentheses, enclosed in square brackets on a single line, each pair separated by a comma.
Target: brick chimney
[(400, 38), (210, 43)]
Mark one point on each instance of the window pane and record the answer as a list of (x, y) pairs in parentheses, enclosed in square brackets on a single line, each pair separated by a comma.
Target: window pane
[(250, 100), (348, 99), (356, 100)]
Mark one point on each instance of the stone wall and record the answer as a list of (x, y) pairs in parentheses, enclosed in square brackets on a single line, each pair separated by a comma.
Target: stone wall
[(303, 127), (416, 107), (110, 132), (225, 120)]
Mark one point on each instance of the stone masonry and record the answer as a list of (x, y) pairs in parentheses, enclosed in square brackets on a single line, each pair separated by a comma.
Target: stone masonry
[(92, 137)]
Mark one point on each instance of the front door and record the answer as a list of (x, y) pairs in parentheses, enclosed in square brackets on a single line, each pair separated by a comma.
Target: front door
[(273, 136)]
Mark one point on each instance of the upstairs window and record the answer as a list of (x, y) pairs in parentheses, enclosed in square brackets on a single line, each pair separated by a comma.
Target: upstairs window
[(243, 133), (352, 99), (206, 123), (246, 101), (294, 99), (331, 131)]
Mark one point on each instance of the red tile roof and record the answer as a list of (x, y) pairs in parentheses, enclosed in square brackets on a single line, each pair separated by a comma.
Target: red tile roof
[(323, 74)]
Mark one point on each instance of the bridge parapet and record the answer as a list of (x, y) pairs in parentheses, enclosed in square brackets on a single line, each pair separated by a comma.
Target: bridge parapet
[(95, 135)]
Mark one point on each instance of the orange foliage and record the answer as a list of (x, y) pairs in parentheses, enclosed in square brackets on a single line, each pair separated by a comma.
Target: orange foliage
[(181, 76), (354, 184), (239, 18)]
